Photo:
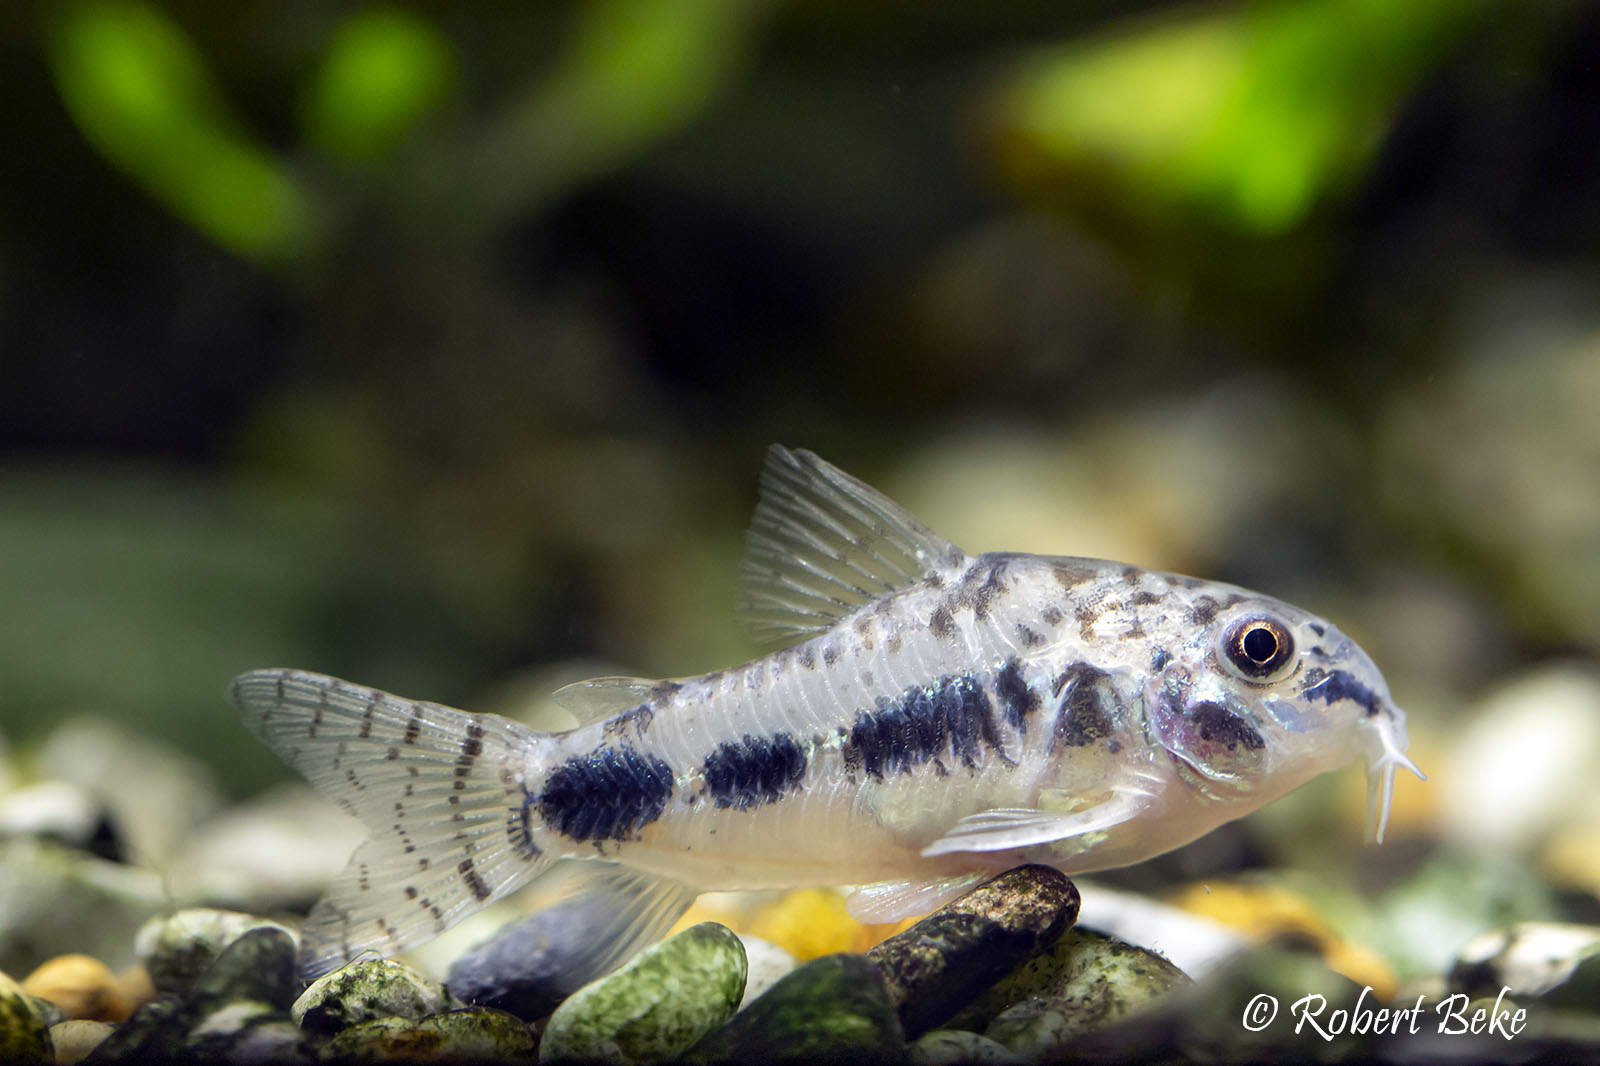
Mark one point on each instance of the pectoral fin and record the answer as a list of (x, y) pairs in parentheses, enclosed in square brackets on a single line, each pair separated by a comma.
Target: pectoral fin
[(1003, 828)]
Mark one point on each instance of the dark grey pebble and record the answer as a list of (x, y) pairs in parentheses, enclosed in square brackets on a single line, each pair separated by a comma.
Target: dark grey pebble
[(960, 950), (523, 969), (259, 966)]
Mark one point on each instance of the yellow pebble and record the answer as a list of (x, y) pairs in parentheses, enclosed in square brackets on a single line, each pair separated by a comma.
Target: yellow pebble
[(83, 987), (1266, 911), (812, 922)]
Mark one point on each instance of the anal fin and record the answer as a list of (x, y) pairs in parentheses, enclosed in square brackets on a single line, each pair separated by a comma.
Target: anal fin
[(619, 911)]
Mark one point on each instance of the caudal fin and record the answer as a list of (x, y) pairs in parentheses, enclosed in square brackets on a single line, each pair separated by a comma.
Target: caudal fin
[(440, 790)]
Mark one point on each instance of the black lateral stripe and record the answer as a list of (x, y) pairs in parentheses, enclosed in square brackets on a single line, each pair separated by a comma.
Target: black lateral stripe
[(609, 794), (953, 715), (753, 771)]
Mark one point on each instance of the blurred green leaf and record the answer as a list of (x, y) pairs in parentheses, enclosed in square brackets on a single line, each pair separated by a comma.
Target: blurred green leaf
[(385, 68), (141, 94), (1253, 115), (634, 71)]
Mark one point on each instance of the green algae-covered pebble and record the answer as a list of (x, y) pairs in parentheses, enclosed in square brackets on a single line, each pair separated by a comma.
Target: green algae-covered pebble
[(1097, 977), (177, 949), (363, 991), (24, 1037), (945, 1047), (474, 1034), (260, 965), (835, 1008), (666, 998)]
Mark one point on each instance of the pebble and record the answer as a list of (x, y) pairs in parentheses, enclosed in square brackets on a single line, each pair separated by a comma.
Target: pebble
[(248, 1033), (1085, 981), (472, 1034), (367, 990), (523, 968), (152, 1033), (765, 963), (958, 952), (83, 987), (75, 1039), (655, 1006), (1556, 963), (176, 949), (835, 1008), (63, 812), (24, 1036), (258, 966), (949, 1046)]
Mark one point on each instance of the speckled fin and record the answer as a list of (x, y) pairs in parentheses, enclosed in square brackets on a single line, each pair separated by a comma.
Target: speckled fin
[(601, 697), (1003, 828), (426, 780), (822, 545), (622, 910), (892, 901)]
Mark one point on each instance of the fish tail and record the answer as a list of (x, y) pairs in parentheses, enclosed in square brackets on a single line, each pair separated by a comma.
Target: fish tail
[(441, 791)]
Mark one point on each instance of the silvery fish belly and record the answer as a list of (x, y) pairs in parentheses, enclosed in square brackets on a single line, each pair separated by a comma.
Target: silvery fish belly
[(930, 718)]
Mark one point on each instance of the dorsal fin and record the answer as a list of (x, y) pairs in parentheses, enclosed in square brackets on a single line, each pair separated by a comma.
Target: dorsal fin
[(601, 697), (822, 545)]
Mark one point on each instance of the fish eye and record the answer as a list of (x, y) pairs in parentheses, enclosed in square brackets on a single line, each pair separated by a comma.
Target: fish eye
[(1257, 647)]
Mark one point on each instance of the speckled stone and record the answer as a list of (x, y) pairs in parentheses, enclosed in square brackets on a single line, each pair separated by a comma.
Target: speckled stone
[(367, 990), (248, 1033), (177, 949), (83, 987), (946, 1047), (832, 1009), (959, 951), (24, 1037), (258, 966), (473, 1034), (74, 1039), (660, 1002), (1097, 977)]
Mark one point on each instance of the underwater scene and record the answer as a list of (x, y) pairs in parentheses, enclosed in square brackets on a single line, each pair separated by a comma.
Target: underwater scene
[(747, 531)]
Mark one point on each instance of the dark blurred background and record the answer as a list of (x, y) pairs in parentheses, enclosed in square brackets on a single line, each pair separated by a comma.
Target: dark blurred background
[(437, 346)]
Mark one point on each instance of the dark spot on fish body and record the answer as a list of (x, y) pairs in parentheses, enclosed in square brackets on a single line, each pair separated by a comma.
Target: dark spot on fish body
[(1018, 699), (830, 652), (754, 770), (1216, 724), (1029, 638), (942, 625), (1087, 616), (933, 581), (1144, 598), (413, 725), (1130, 575), (609, 794), (954, 715), (1069, 577), (1159, 658), (639, 719), (1203, 611), (808, 657), (1051, 615), (1088, 709), (411, 892), (1317, 629), (1339, 685), (983, 599)]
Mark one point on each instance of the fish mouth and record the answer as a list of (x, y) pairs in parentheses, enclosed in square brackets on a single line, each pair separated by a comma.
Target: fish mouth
[(1389, 729)]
